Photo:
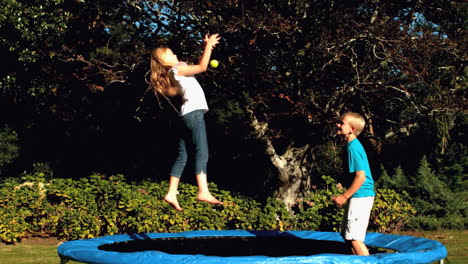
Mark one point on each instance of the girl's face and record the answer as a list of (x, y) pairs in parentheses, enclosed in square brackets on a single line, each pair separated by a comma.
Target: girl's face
[(168, 57)]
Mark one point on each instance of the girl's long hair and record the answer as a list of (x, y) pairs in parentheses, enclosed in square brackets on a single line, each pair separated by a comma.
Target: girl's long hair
[(160, 81)]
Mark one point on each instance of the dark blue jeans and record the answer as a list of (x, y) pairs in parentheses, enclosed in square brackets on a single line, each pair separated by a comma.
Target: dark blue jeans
[(192, 139)]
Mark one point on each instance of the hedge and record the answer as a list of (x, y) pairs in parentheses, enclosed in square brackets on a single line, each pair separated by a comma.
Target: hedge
[(101, 205)]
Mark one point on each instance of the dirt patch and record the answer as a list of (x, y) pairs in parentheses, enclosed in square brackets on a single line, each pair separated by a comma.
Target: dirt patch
[(49, 241), (41, 241)]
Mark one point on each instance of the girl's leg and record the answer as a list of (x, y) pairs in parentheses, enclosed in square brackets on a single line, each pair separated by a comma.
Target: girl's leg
[(171, 196), (176, 173), (203, 191), (200, 143)]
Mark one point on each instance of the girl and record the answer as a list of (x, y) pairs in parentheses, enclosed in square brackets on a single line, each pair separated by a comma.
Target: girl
[(169, 77)]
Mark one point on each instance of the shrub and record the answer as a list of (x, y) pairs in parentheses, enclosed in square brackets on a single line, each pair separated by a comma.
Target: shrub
[(274, 216), (436, 205), (317, 211), (13, 225), (9, 148), (101, 205), (21, 206), (391, 211)]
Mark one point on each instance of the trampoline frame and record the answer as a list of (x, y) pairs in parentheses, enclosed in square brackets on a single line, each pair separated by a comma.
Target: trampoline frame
[(408, 249)]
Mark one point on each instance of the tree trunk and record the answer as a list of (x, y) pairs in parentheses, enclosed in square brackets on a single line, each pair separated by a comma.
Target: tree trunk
[(291, 180)]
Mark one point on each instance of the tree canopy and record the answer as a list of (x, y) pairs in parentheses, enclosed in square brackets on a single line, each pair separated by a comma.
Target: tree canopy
[(75, 74)]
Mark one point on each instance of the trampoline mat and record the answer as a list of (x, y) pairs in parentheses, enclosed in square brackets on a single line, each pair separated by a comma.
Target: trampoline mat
[(233, 246)]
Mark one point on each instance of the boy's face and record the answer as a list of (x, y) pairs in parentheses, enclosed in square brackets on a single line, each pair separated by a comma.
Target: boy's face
[(344, 128)]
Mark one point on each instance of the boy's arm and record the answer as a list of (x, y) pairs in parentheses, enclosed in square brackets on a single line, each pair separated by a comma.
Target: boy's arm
[(359, 179)]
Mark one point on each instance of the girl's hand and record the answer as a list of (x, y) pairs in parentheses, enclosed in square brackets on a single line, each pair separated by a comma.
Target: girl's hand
[(211, 40)]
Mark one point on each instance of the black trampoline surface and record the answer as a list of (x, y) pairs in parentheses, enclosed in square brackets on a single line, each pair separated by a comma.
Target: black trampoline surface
[(233, 246)]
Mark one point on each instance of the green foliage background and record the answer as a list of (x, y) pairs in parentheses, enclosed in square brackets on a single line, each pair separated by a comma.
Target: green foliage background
[(98, 205), (74, 75), (9, 148), (437, 206)]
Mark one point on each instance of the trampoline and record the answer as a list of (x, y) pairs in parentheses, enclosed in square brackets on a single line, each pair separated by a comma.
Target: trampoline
[(241, 246)]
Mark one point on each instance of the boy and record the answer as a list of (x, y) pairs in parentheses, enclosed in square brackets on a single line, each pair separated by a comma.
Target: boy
[(360, 194)]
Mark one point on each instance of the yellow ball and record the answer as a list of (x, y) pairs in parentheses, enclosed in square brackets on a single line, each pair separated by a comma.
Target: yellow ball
[(214, 63)]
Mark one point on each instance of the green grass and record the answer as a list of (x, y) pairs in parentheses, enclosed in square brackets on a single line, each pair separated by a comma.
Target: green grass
[(33, 254), (456, 242), (24, 253)]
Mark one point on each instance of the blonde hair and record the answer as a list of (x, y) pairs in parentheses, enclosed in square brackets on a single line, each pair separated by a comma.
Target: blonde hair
[(160, 81), (355, 120)]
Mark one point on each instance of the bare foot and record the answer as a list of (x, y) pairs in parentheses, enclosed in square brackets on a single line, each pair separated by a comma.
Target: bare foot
[(172, 200), (208, 198)]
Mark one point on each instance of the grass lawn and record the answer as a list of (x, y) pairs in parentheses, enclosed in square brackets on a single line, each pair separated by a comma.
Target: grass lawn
[(33, 251), (455, 241), (44, 251)]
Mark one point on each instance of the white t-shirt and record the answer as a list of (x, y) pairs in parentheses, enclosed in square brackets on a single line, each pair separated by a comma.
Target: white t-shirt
[(192, 92)]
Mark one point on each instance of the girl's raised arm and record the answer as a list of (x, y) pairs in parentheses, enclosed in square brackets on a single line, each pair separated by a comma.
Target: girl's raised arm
[(209, 42)]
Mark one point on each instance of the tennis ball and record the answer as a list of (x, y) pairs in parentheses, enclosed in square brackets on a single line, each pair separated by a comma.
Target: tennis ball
[(214, 63)]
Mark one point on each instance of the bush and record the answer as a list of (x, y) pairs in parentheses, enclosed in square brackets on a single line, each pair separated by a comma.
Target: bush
[(317, 211), (20, 207), (105, 205), (274, 216), (13, 224), (391, 211), (9, 148), (99, 205), (436, 205)]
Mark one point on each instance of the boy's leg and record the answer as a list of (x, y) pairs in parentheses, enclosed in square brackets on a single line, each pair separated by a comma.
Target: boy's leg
[(171, 196), (359, 248), (356, 221)]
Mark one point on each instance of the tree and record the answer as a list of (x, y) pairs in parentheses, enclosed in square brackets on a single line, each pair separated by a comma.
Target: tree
[(437, 206), (30, 35), (288, 69), (74, 73), (303, 63)]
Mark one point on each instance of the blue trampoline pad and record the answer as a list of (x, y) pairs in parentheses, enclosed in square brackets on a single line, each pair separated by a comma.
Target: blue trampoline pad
[(241, 246)]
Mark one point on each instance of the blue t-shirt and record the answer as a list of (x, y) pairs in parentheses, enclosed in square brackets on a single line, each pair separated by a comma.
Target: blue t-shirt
[(357, 161)]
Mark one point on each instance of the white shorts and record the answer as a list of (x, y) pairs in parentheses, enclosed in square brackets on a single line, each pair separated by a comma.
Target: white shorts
[(356, 218)]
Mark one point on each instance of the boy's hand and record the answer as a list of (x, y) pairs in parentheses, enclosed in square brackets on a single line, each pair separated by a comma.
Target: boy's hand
[(211, 40), (340, 200)]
